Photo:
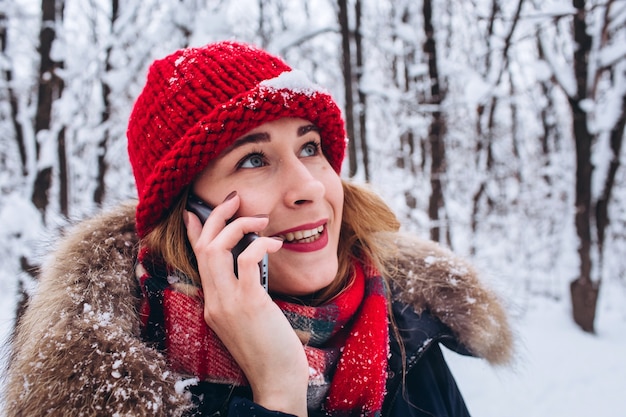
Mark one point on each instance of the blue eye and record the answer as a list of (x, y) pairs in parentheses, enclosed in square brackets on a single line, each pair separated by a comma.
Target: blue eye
[(311, 149), (253, 160)]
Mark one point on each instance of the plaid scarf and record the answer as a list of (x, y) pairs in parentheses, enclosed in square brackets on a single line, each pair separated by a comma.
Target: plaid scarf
[(345, 340)]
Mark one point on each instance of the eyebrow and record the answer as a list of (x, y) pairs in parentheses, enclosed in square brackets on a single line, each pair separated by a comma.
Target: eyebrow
[(303, 130), (263, 137), (251, 138)]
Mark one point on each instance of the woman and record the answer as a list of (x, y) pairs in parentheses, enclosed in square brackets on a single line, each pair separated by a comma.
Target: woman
[(355, 311)]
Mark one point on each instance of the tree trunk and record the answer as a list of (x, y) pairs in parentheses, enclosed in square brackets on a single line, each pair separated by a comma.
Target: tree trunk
[(344, 25), (360, 65), (584, 290), (103, 166), (436, 130), (64, 186), (584, 295), (602, 205), (12, 98), (50, 89), (483, 153)]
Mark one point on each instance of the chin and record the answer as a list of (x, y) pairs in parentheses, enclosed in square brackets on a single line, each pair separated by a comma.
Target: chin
[(298, 277), (304, 284), (301, 290)]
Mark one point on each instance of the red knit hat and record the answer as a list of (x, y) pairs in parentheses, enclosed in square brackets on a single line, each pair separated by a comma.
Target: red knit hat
[(197, 101)]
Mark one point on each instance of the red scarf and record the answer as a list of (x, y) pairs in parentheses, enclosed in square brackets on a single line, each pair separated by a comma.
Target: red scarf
[(345, 340)]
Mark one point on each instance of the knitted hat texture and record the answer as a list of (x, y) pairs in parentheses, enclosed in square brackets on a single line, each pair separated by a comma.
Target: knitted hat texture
[(197, 101)]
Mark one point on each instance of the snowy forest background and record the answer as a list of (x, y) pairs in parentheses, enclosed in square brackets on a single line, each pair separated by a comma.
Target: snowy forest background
[(492, 126)]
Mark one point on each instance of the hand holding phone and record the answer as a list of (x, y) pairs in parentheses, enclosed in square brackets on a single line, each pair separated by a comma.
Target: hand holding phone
[(201, 209)]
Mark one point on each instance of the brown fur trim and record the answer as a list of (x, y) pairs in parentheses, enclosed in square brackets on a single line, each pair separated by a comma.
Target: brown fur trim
[(77, 349), (430, 277)]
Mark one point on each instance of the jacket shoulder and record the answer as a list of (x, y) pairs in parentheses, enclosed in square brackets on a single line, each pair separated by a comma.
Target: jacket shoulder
[(418, 331), (425, 386), (429, 277), (420, 383), (80, 332)]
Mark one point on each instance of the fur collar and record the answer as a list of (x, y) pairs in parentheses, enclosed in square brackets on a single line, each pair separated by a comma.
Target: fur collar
[(79, 336), (432, 278)]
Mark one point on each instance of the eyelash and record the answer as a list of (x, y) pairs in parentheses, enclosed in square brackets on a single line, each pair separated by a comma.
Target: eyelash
[(260, 154)]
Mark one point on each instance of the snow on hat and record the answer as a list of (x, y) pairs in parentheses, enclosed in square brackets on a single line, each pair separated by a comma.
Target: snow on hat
[(197, 101)]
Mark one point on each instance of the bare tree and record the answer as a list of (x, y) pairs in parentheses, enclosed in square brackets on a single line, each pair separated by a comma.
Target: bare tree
[(348, 76), (496, 61), (362, 97), (50, 88), (404, 81), (103, 166), (436, 130), (11, 96), (355, 97), (593, 78)]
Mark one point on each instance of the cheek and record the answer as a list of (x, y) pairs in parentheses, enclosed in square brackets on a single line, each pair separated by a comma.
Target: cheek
[(335, 195), (257, 199)]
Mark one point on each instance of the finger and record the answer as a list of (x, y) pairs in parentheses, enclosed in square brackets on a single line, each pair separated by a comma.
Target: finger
[(215, 221), (234, 232), (248, 260), (215, 259), (215, 262), (193, 225), (219, 218), (220, 264)]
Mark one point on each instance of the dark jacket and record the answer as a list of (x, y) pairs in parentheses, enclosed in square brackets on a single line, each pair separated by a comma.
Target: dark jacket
[(429, 388), (78, 348)]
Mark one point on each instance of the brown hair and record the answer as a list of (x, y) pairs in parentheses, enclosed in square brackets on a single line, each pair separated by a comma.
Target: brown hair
[(365, 216)]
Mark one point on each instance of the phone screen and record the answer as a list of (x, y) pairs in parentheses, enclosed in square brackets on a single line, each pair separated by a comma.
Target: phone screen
[(201, 209)]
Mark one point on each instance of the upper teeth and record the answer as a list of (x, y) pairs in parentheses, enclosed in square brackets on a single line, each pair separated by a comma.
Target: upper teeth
[(303, 234)]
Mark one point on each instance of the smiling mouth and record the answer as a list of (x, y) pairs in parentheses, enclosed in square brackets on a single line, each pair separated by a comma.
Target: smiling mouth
[(303, 236)]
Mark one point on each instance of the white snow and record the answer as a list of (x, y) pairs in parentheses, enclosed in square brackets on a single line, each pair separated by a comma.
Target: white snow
[(295, 80), (559, 371), (181, 385)]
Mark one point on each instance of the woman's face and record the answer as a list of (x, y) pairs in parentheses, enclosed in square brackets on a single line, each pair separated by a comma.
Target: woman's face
[(278, 169)]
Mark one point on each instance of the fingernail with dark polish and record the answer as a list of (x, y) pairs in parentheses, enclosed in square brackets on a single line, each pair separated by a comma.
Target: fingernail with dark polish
[(230, 196)]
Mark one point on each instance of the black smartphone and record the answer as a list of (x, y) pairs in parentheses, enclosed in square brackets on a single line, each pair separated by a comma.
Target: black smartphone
[(201, 209)]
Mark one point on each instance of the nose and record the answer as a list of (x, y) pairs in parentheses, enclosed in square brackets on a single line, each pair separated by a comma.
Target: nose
[(301, 184)]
